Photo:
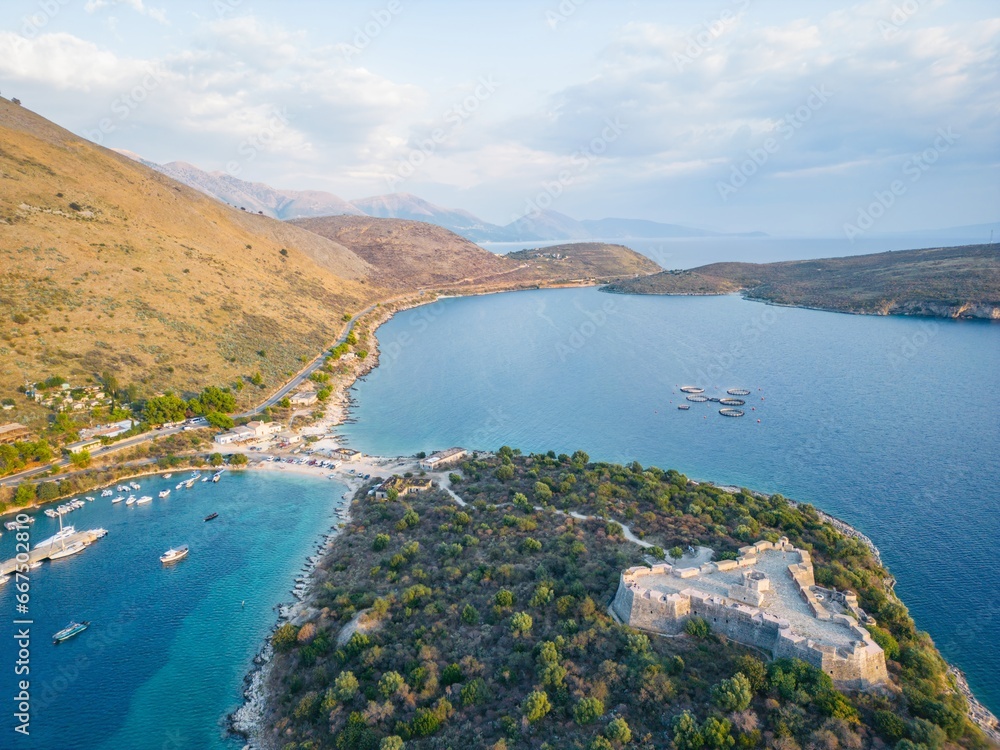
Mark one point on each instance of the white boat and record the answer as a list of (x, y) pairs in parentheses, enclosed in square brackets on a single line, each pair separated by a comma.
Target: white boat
[(144, 499), (118, 499), (90, 499), (189, 483), (107, 493), (131, 500), (73, 549), (35, 565), (55, 538), (167, 476), (173, 555), (179, 485), (205, 479), (165, 493), (122, 488), (100, 533), (4, 579), (135, 485), (50, 513)]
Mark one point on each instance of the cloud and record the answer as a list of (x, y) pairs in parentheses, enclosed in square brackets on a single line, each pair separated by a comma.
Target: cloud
[(157, 14)]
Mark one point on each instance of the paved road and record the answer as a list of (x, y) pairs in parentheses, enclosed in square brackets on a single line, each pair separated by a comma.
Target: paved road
[(287, 388)]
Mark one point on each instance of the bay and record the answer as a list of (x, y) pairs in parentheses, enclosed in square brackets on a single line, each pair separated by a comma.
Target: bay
[(886, 422)]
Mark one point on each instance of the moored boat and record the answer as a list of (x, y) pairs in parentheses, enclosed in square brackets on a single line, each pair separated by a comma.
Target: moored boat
[(131, 500), (74, 628), (167, 476), (210, 516), (144, 499), (173, 555), (73, 549), (165, 493), (118, 499)]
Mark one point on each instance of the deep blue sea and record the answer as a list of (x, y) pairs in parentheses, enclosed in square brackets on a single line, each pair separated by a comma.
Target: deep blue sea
[(890, 423), (164, 659)]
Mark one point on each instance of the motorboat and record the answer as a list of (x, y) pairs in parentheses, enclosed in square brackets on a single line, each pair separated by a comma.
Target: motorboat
[(173, 555)]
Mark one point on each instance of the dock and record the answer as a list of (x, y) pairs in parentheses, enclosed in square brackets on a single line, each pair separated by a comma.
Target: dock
[(37, 554)]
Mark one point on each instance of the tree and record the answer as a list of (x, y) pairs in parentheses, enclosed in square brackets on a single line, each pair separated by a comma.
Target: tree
[(215, 459), (221, 421), (238, 459), (588, 710), (536, 706), (754, 670), (285, 637), (619, 731), (286, 403), (470, 615), (716, 733), (733, 694), (505, 473), (25, 495), (657, 552), (696, 627), (543, 492), (257, 379), (390, 684), (392, 742), (163, 409), (504, 598), (520, 624), (80, 459), (676, 552), (686, 734), (381, 542), (345, 686), (110, 383)]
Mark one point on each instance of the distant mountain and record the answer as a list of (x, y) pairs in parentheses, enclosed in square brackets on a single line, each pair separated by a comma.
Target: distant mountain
[(975, 232), (542, 226), (255, 197), (413, 208)]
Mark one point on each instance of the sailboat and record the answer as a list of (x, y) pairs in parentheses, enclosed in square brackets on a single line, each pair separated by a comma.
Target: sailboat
[(64, 549)]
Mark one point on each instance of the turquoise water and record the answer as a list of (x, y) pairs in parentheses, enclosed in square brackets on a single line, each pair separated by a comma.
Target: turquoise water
[(164, 659), (888, 423)]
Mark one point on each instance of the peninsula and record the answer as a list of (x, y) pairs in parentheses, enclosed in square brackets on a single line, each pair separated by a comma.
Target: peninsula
[(951, 282)]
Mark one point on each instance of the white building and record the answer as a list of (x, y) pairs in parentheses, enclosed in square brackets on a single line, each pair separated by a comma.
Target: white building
[(264, 429), (443, 458)]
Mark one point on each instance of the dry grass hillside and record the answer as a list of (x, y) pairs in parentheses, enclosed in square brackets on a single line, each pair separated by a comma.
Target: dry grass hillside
[(409, 254), (108, 265)]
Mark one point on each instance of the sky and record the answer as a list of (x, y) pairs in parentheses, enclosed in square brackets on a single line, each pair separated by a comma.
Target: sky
[(812, 119)]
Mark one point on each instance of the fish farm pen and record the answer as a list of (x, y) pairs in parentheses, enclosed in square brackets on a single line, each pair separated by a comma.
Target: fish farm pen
[(693, 389), (727, 412), (698, 399), (738, 392)]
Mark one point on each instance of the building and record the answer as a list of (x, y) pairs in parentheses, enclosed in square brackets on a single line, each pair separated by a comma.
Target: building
[(236, 435), (346, 454), (443, 458), (402, 485), (14, 432), (303, 398), (264, 429), (767, 598), (82, 445), (108, 430)]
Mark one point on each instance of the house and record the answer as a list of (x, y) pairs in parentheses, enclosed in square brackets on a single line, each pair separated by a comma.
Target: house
[(236, 435), (443, 458), (303, 398), (264, 429), (81, 445), (402, 485), (289, 438), (14, 433), (346, 454), (108, 430)]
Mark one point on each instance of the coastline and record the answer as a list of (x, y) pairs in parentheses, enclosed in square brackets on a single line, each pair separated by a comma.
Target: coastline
[(251, 725)]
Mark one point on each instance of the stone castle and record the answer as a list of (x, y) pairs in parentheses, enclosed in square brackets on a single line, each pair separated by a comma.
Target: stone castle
[(767, 598)]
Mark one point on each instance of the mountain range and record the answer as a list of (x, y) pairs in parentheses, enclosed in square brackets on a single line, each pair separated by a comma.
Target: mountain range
[(541, 226)]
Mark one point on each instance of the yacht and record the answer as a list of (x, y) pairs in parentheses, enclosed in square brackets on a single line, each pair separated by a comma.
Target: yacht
[(173, 555), (72, 549), (63, 534), (165, 493), (107, 493), (131, 500), (90, 498), (144, 499), (179, 485), (118, 499), (167, 476), (135, 485), (74, 628), (50, 513)]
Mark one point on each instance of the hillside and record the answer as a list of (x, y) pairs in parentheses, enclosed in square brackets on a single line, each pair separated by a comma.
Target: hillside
[(586, 260), (408, 254), (413, 208), (486, 626), (109, 265), (954, 282)]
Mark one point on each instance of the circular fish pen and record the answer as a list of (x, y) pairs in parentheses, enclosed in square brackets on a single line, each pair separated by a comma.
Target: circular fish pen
[(732, 401), (697, 399), (692, 389), (727, 412), (738, 392)]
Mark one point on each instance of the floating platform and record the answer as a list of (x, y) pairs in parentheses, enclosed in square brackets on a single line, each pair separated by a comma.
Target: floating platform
[(732, 401), (691, 389), (738, 392), (727, 412), (698, 399)]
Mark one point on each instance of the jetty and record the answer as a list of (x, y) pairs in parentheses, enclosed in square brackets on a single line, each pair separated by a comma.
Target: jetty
[(38, 554)]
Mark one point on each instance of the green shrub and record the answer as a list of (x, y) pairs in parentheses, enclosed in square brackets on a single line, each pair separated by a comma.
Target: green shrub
[(587, 711), (536, 706)]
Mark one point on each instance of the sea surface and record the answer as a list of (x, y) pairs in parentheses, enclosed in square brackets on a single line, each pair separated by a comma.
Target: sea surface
[(889, 423), (690, 252), (164, 658)]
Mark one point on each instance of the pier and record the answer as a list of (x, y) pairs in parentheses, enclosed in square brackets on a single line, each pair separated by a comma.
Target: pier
[(38, 554)]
